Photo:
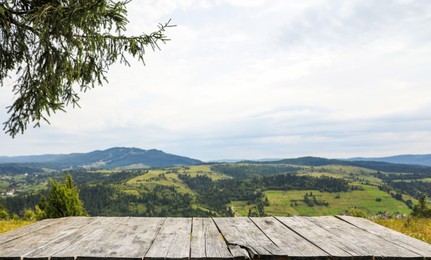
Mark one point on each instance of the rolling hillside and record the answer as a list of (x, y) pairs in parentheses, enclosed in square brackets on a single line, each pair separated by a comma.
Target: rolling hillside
[(136, 182), (239, 189)]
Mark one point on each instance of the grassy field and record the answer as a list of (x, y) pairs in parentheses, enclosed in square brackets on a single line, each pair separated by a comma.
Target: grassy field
[(414, 227), (240, 208), (4, 186), (370, 200), (6, 225), (284, 203), (350, 173), (169, 176)]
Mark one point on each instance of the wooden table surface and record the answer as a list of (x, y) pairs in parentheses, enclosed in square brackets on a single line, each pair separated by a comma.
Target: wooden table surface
[(325, 237)]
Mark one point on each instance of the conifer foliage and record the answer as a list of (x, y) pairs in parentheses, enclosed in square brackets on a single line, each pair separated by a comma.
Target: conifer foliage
[(63, 200), (421, 209), (58, 48)]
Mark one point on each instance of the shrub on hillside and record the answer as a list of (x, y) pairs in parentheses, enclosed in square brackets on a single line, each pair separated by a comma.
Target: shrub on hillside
[(421, 209)]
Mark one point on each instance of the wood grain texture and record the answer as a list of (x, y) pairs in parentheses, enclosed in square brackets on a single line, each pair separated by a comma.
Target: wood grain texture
[(412, 244), (133, 238), (172, 241), (26, 245), (110, 238), (245, 234), (366, 242), (238, 252), (323, 239), (292, 244), (85, 241), (207, 242), (26, 230)]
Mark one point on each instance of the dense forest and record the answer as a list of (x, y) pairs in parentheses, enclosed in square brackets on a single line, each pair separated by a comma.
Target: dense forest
[(216, 194), (224, 189), (105, 200), (413, 188), (14, 168)]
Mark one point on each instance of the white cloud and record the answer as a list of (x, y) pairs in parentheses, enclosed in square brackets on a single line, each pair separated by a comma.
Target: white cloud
[(250, 79)]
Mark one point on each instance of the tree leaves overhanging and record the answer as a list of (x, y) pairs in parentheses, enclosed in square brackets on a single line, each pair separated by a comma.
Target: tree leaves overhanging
[(59, 48)]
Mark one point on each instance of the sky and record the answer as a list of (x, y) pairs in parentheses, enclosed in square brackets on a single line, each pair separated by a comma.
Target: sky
[(252, 79)]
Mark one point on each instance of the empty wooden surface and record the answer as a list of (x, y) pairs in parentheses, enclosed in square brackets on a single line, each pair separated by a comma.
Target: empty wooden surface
[(81, 238)]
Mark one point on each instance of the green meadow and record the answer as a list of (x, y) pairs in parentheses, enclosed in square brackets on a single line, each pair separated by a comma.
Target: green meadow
[(370, 200), (169, 177)]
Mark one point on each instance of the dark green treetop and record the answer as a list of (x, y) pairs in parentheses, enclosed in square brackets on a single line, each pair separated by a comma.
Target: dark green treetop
[(63, 200), (58, 48), (421, 209), (3, 212)]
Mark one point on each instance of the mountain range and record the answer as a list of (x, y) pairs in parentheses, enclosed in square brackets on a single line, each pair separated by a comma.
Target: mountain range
[(416, 159), (123, 157), (116, 157)]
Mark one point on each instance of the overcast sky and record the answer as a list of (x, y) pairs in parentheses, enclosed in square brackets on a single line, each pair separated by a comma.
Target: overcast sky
[(255, 79)]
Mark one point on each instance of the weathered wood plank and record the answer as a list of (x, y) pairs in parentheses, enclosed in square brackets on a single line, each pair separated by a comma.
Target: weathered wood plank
[(368, 243), (292, 244), (180, 248), (26, 230), (207, 242), (326, 241), (172, 241), (415, 245), (71, 245), (146, 230), (24, 246), (245, 234), (80, 238), (216, 247), (128, 238), (238, 252), (197, 245)]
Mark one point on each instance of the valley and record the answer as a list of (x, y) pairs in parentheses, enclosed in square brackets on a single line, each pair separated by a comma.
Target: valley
[(231, 189)]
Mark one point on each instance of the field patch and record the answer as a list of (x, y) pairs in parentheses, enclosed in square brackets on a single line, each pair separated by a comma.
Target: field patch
[(240, 208), (4, 186), (351, 173), (369, 200), (169, 176)]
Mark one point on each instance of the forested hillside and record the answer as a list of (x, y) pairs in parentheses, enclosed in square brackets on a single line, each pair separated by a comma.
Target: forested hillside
[(232, 189)]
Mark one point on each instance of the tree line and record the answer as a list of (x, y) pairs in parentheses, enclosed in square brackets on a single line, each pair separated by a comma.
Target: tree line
[(249, 170)]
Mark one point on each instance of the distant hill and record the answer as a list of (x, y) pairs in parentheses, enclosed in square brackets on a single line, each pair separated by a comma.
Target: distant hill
[(311, 161), (122, 157), (13, 168), (374, 165), (110, 158), (417, 159), (30, 158)]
